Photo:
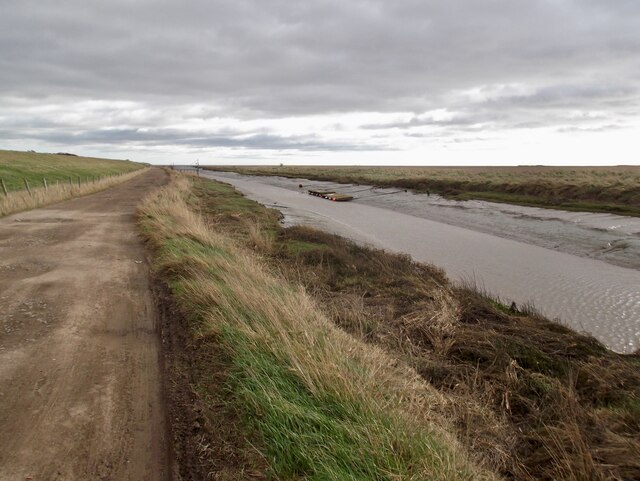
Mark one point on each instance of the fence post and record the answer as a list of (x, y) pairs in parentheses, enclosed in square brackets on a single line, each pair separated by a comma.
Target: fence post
[(4, 188), (26, 182), (70, 181), (79, 181), (44, 180)]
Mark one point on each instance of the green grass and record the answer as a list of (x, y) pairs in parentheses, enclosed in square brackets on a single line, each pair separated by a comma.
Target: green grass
[(15, 167), (323, 435), (296, 247), (322, 405), (592, 189), (523, 392), (583, 206), (629, 405)]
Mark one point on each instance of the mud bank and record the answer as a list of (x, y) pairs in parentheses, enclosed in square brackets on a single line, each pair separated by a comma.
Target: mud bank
[(587, 294)]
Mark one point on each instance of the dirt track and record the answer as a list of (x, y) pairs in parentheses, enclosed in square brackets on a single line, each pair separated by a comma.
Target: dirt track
[(80, 384)]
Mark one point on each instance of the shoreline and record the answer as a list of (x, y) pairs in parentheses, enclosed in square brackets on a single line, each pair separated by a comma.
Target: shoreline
[(588, 294), (587, 198), (519, 393)]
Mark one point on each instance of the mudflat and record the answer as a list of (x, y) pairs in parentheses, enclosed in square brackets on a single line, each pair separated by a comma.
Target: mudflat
[(80, 377), (587, 294)]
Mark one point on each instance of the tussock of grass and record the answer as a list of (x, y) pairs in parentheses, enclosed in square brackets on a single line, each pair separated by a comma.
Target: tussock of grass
[(324, 405), (23, 200)]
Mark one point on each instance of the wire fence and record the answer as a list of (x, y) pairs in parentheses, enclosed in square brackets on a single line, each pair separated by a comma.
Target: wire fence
[(44, 183)]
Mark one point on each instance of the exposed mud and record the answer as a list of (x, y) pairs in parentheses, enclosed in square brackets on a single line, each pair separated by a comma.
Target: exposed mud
[(588, 294), (208, 441)]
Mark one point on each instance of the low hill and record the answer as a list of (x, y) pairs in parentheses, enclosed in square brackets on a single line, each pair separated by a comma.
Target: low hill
[(16, 166)]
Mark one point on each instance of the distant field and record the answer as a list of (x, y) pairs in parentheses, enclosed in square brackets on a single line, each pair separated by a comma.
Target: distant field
[(594, 189), (17, 166)]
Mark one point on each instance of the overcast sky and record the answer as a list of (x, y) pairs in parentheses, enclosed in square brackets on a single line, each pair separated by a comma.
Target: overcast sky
[(324, 81)]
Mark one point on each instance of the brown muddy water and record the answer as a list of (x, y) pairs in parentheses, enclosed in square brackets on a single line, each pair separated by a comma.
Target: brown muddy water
[(581, 269)]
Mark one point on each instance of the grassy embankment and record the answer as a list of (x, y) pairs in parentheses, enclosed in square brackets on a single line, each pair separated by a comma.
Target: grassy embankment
[(66, 176), (313, 401), (529, 399), (590, 189)]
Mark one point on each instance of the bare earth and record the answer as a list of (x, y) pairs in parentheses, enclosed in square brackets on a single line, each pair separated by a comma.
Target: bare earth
[(80, 380)]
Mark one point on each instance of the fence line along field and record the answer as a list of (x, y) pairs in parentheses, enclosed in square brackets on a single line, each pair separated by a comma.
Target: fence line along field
[(29, 180), (593, 189), (15, 167)]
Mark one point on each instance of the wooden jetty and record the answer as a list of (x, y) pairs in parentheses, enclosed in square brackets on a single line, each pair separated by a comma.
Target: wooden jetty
[(331, 195)]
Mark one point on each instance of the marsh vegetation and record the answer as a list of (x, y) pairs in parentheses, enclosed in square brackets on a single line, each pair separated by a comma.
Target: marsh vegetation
[(591, 189), (523, 397)]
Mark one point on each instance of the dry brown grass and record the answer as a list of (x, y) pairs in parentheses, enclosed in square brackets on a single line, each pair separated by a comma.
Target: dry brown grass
[(531, 398), (327, 406), (22, 200)]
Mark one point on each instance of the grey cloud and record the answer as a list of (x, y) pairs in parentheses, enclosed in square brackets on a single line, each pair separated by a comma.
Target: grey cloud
[(600, 128), (548, 106), (168, 137), (583, 96), (417, 121), (278, 56), (268, 59)]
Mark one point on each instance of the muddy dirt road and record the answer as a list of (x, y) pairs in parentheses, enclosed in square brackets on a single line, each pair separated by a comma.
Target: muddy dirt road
[(80, 384)]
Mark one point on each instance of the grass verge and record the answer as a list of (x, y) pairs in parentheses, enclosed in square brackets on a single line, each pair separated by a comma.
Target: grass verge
[(16, 167), (590, 189), (316, 402), (533, 399), (23, 200), (66, 176)]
